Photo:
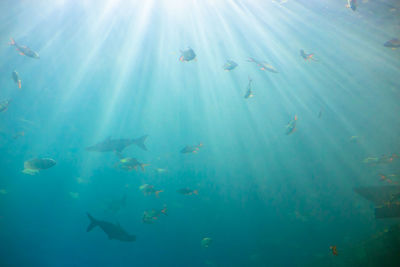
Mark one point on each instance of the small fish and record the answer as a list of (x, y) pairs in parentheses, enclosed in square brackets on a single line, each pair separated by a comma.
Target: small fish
[(230, 65), (187, 192), (74, 195), (306, 56), (393, 43), (81, 180), (206, 241), (19, 134), (4, 105), (24, 50), (187, 55), (131, 164), (320, 114), (352, 4), (16, 78), (149, 190), (150, 216), (263, 65), (191, 149), (291, 126), (249, 93), (161, 170), (334, 250)]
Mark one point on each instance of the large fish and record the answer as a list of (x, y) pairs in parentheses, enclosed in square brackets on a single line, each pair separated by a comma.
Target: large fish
[(113, 231), (33, 166), (117, 145)]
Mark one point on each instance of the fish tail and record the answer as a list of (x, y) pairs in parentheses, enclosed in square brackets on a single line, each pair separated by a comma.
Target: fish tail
[(93, 223), (12, 41), (140, 142)]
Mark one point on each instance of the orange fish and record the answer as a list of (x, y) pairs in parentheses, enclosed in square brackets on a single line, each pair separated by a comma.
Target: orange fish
[(334, 251)]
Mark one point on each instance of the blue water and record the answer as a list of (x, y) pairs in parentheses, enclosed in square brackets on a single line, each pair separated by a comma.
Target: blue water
[(111, 69)]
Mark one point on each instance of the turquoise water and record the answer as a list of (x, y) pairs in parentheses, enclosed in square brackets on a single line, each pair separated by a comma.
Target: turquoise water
[(111, 69)]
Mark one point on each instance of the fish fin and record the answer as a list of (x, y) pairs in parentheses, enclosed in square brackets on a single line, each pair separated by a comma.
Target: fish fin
[(140, 142), (181, 58), (93, 223), (12, 41), (196, 192), (19, 84), (21, 53), (30, 171)]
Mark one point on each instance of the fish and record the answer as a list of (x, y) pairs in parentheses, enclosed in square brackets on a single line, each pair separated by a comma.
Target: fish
[(149, 190), (33, 166), (352, 4), (131, 164), (117, 145), (161, 170), (306, 56), (4, 105), (191, 149), (187, 192), (291, 126), (74, 195), (187, 55), (393, 43), (113, 231), (16, 78), (230, 65), (263, 65), (334, 250), (24, 50), (150, 216), (206, 241), (249, 92), (18, 134)]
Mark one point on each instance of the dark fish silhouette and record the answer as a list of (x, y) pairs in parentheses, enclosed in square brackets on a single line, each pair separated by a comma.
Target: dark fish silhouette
[(117, 145), (393, 43), (113, 231)]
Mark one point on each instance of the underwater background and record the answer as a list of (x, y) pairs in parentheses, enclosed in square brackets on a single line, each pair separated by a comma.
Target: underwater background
[(111, 69)]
